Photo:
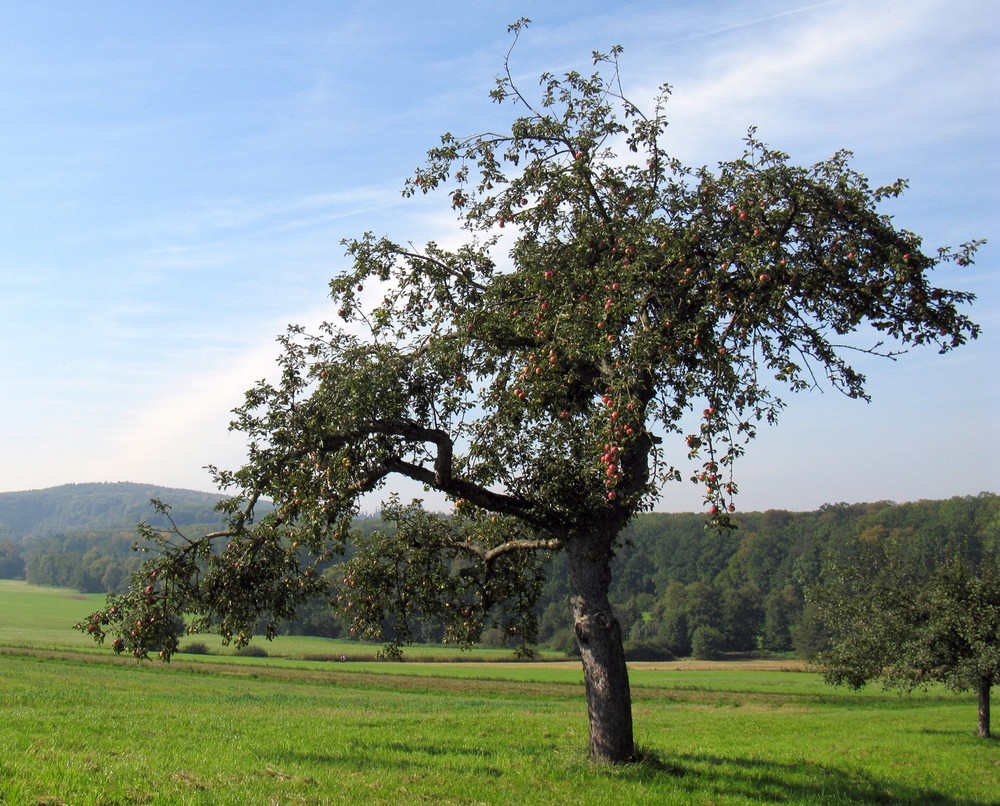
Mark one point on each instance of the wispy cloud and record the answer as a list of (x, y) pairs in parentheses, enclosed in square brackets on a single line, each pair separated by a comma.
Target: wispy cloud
[(175, 193), (844, 73), (262, 216)]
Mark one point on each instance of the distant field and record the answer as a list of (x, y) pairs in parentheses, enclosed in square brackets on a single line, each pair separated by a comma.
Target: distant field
[(84, 727), (38, 617)]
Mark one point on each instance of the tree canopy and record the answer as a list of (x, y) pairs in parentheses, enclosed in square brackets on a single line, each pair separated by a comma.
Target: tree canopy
[(545, 392)]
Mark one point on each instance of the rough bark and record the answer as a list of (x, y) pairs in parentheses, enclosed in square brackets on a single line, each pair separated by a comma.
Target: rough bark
[(599, 638), (984, 709)]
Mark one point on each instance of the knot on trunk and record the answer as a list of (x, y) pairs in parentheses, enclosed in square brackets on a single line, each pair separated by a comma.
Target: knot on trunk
[(586, 625)]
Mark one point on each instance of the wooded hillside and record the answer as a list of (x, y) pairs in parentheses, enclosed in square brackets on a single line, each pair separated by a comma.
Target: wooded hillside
[(96, 507), (81, 535)]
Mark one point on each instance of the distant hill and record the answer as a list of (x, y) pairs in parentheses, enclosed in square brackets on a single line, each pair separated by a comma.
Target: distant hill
[(102, 507)]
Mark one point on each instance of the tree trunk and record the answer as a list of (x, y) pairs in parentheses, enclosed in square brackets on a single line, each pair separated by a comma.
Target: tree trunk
[(599, 637), (984, 709)]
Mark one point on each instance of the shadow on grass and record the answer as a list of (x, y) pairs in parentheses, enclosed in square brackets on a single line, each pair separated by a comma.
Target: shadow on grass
[(960, 733), (774, 782)]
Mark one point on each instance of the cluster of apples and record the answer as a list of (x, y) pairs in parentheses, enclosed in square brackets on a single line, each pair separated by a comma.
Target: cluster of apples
[(621, 426), (141, 629), (536, 366), (611, 289)]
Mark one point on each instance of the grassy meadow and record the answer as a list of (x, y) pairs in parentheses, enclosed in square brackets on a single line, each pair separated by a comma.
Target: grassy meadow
[(80, 726)]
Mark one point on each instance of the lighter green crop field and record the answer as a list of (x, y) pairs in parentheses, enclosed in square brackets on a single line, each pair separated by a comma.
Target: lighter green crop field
[(39, 617), (83, 727)]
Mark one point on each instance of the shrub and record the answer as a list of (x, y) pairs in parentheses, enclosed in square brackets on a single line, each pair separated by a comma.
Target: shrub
[(493, 637), (564, 640), (252, 652), (672, 633), (707, 643), (647, 651), (195, 648)]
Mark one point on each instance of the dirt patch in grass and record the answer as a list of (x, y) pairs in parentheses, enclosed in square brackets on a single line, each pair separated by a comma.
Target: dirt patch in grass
[(748, 665)]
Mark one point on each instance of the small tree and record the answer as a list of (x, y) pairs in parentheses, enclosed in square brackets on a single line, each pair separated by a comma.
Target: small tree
[(782, 609), (11, 561), (707, 643), (674, 634), (888, 621), (539, 396)]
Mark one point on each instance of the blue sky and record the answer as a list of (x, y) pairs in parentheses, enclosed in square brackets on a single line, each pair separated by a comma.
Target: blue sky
[(175, 183)]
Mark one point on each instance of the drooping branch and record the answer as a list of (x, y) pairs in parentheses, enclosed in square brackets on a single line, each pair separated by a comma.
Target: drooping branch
[(441, 478), (480, 496)]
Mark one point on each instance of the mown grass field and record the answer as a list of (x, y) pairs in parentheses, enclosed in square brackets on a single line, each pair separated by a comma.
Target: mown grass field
[(82, 727)]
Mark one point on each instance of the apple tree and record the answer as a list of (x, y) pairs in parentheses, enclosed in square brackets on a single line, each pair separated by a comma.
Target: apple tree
[(540, 376), (888, 619)]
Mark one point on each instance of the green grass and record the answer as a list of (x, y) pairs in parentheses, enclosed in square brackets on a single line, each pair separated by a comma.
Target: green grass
[(87, 728)]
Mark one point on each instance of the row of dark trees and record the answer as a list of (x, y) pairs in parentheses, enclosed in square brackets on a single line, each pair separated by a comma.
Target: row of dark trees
[(678, 587), (93, 561), (90, 562)]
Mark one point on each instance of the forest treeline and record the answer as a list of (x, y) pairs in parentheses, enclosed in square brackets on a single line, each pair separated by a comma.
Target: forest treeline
[(686, 590), (678, 588)]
